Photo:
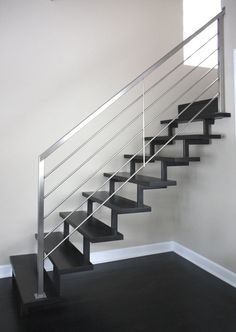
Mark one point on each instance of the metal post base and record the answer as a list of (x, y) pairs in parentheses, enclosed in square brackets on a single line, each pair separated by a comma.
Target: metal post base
[(40, 296)]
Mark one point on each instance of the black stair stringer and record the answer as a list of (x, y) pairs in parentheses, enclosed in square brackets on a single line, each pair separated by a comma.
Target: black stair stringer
[(140, 194), (86, 249), (188, 142), (207, 123), (165, 164), (171, 132), (112, 186), (114, 222), (159, 141), (133, 163), (171, 129)]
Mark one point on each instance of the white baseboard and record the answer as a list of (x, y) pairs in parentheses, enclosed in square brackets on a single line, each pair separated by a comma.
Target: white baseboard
[(5, 271), (206, 264), (130, 252), (151, 249)]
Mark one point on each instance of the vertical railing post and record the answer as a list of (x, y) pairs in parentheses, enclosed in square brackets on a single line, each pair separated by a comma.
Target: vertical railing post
[(40, 238), (221, 69), (143, 123)]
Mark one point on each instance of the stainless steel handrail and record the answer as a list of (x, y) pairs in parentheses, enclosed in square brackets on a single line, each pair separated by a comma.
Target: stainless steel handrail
[(125, 109), (134, 137), (128, 87), (121, 186), (127, 125), (130, 159)]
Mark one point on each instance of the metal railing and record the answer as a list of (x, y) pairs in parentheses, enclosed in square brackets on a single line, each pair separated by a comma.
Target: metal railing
[(43, 176)]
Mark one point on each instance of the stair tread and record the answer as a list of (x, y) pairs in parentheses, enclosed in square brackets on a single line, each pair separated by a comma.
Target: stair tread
[(182, 137), (93, 229), (216, 115), (160, 158), (25, 273), (117, 203), (143, 180), (67, 258)]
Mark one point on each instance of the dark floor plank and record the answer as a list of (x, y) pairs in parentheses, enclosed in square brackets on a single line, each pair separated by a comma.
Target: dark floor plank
[(161, 292)]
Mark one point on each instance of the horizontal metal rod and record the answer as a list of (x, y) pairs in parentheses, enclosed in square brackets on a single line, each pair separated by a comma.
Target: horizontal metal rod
[(125, 127), (135, 136), (125, 109), (128, 87), (126, 163), (93, 175), (180, 80), (121, 186), (90, 138), (180, 64), (185, 109), (92, 156)]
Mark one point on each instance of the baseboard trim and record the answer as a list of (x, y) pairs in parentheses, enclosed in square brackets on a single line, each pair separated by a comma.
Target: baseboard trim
[(5, 271), (130, 252), (150, 249), (206, 264)]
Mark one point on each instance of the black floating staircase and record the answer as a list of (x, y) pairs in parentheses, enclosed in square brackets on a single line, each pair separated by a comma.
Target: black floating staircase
[(67, 259)]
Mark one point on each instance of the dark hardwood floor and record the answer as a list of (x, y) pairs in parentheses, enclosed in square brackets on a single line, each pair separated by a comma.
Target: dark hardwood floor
[(153, 293)]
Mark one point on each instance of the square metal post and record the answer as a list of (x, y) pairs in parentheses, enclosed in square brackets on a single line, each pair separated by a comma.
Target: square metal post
[(221, 64), (40, 238)]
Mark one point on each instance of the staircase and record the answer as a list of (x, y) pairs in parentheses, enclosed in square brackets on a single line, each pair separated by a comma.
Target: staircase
[(33, 285)]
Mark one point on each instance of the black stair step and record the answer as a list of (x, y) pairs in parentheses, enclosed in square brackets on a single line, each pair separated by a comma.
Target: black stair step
[(207, 107), (175, 160), (93, 229), (143, 180), (216, 115), (25, 278), (165, 139), (117, 203), (161, 140), (66, 258)]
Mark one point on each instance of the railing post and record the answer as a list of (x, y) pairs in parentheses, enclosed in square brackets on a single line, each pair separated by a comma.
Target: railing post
[(40, 238), (143, 123), (221, 82)]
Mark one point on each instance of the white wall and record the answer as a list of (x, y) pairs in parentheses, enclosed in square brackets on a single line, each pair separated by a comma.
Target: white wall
[(207, 213), (59, 60)]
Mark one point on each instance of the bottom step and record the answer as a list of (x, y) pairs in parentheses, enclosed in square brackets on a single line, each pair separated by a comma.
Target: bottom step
[(25, 278)]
